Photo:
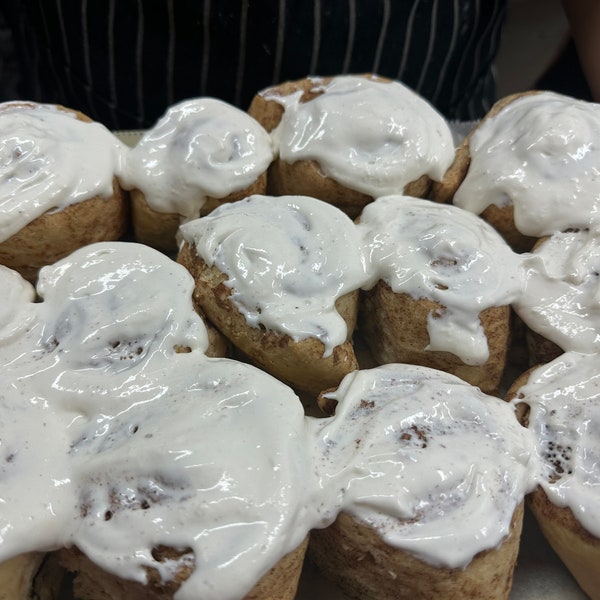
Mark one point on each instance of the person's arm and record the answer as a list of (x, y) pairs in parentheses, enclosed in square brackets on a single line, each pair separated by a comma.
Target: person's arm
[(584, 21)]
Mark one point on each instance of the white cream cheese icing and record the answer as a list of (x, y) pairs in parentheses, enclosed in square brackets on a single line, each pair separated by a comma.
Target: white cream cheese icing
[(561, 298), (49, 159), (540, 153), (115, 442), (564, 401), (445, 254), (16, 311), (371, 136), (433, 464), (215, 465), (88, 345), (287, 259), (201, 147)]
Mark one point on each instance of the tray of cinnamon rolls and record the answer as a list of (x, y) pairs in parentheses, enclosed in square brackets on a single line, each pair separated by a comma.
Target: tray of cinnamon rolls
[(316, 349)]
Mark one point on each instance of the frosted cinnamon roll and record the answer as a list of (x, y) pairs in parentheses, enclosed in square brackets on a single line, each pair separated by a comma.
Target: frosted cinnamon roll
[(279, 276), (201, 153), (58, 184), (560, 303), (530, 167), (441, 288), (350, 139), (563, 413), (430, 474), (174, 501), (145, 486)]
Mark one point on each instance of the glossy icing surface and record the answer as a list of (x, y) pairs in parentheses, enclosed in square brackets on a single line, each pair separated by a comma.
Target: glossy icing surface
[(287, 260), (107, 408), (564, 416), (119, 435), (15, 311), (108, 400), (561, 298)]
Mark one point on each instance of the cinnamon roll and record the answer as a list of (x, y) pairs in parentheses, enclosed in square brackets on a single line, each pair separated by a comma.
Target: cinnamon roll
[(563, 413), (442, 284), (279, 277), (530, 167), (350, 139), (430, 474), (58, 184), (125, 454), (559, 303), (201, 153)]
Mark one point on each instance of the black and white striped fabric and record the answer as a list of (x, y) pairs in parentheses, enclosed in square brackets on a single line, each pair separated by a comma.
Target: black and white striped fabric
[(123, 62)]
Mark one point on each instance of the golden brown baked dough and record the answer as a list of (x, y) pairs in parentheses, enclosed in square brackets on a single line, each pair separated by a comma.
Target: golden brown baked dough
[(93, 583), (55, 234), (576, 547), (301, 364), (31, 575), (354, 556), (306, 178), (501, 218), (394, 327), (151, 227), (159, 230)]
